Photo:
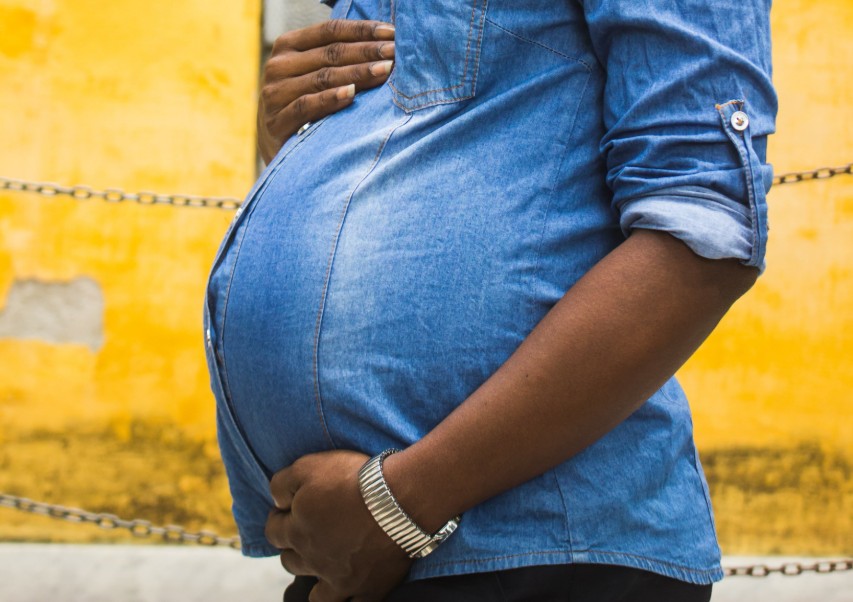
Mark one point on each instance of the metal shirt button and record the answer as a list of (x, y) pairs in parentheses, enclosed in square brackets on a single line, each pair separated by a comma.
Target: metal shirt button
[(207, 336), (740, 121)]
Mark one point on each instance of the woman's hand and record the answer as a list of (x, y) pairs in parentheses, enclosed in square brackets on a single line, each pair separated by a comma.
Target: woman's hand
[(324, 529), (316, 71)]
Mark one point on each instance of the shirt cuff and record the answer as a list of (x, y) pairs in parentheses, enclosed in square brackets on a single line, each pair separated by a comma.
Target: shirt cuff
[(711, 224)]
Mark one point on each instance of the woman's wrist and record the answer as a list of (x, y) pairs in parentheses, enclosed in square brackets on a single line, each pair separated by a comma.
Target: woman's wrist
[(422, 497)]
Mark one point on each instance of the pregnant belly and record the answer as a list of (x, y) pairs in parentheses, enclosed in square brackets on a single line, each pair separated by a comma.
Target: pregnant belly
[(375, 281)]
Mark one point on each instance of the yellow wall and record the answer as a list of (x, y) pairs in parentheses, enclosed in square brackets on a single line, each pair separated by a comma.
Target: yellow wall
[(772, 390), (154, 95), (160, 95)]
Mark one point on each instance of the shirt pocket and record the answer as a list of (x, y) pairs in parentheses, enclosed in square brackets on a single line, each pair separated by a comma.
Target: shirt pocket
[(437, 51)]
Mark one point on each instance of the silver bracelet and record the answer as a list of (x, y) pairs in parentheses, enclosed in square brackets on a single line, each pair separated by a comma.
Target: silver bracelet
[(398, 525)]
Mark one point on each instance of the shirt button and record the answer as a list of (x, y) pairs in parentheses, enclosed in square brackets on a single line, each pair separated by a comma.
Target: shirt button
[(740, 121), (207, 336), (304, 129)]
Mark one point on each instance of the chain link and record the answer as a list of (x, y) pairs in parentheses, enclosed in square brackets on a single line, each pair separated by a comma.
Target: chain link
[(137, 527), (791, 569), (114, 195), (822, 173)]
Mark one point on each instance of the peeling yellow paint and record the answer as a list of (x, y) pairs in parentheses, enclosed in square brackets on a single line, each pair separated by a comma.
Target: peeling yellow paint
[(150, 469), (157, 95), (778, 372), (160, 96), (780, 500)]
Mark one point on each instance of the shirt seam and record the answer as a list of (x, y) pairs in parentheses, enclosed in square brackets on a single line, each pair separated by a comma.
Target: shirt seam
[(565, 510), (538, 268), (705, 492), (246, 215), (318, 398), (540, 44)]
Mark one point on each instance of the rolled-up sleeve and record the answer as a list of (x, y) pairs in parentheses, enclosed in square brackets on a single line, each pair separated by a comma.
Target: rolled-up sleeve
[(689, 104)]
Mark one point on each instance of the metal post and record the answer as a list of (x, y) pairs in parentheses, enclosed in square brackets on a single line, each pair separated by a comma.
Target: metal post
[(284, 15)]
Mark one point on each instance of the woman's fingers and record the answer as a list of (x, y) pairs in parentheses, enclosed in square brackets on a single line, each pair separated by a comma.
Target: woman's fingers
[(363, 76), (337, 54), (334, 30), (309, 108), (277, 529)]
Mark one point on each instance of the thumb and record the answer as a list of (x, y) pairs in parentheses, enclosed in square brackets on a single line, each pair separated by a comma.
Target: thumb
[(323, 592)]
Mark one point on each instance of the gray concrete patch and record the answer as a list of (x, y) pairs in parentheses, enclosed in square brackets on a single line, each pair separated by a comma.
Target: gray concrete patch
[(102, 573), (55, 312)]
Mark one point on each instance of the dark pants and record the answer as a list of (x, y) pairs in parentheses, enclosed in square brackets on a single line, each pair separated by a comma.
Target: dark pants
[(561, 583)]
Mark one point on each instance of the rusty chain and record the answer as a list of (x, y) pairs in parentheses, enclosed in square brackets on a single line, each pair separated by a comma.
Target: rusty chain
[(138, 528), (822, 173), (174, 534), (115, 195), (791, 569)]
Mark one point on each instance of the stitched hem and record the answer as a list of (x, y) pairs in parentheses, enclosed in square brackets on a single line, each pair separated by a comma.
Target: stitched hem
[(424, 570)]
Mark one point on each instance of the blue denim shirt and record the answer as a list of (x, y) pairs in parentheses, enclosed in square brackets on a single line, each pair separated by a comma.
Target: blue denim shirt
[(393, 255)]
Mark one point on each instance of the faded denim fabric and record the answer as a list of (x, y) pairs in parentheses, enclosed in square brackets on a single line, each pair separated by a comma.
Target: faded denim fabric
[(393, 256)]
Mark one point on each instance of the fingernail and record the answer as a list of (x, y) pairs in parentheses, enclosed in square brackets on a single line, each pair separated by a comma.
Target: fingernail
[(381, 68), (384, 32), (345, 92), (386, 51)]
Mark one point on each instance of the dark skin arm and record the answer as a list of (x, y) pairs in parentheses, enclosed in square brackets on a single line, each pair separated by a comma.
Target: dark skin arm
[(607, 346)]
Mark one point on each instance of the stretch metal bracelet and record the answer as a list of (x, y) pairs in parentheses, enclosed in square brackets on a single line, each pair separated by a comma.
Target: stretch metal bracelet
[(382, 504)]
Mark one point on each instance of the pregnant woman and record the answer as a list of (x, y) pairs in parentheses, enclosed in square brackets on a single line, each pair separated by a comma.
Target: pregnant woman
[(494, 261)]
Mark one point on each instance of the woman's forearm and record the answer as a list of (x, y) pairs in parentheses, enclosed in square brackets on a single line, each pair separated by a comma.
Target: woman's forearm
[(606, 347)]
